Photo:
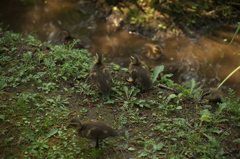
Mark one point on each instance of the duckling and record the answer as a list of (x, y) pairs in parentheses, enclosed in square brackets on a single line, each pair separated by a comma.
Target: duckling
[(66, 38), (139, 72), (93, 129), (100, 75), (152, 51), (212, 94)]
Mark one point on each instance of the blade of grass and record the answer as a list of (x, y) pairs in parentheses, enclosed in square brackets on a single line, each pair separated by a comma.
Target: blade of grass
[(235, 34), (228, 76)]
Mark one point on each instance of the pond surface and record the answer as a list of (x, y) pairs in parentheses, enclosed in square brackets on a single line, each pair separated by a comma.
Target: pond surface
[(208, 58)]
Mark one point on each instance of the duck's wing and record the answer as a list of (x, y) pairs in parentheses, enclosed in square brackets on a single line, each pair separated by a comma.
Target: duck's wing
[(99, 130), (102, 79)]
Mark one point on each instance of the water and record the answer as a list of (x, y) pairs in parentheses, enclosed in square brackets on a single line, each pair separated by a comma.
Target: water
[(208, 58)]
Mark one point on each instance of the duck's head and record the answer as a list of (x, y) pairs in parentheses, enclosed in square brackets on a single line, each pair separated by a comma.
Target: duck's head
[(98, 58), (135, 59), (205, 92), (152, 51), (211, 94), (65, 34), (75, 124)]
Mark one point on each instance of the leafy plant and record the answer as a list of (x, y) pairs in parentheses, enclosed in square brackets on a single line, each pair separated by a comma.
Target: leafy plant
[(231, 103), (151, 148), (156, 73), (47, 87), (188, 89), (58, 101), (2, 84), (206, 115), (130, 93), (167, 81)]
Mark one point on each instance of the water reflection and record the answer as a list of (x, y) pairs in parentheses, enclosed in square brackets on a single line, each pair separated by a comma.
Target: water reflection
[(208, 59)]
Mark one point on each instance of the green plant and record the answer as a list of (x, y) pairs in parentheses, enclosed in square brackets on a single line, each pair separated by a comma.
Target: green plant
[(231, 103), (47, 87), (167, 81), (58, 102), (75, 41), (130, 93), (2, 84), (122, 119), (151, 149), (175, 103), (188, 89), (235, 34), (84, 89), (38, 147), (135, 117), (156, 73)]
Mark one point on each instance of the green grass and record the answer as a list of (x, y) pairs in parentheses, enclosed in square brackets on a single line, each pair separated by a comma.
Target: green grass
[(42, 87)]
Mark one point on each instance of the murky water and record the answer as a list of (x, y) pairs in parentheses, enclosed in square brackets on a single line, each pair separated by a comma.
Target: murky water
[(208, 58)]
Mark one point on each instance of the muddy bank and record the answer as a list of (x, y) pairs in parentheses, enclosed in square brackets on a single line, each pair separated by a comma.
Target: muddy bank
[(160, 19)]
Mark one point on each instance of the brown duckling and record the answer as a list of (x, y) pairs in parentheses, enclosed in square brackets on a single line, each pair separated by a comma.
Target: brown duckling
[(66, 38), (93, 129), (100, 75), (139, 71), (212, 94), (152, 51)]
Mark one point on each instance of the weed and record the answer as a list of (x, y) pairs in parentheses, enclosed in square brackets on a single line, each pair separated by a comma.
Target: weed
[(47, 87), (58, 102), (135, 117), (130, 93), (232, 103), (2, 84), (84, 89), (188, 89), (156, 73), (151, 148), (167, 81), (235, 32)]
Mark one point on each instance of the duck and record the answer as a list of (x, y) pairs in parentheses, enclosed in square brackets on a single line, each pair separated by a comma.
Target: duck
[(139, 71), (152, 51), (66, 38), (92, 129), (212, 94), (100, 75)]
